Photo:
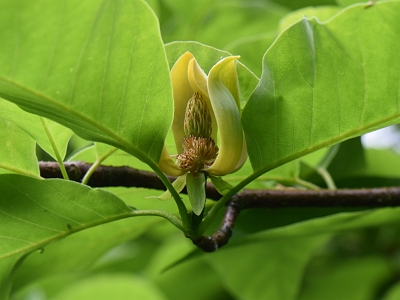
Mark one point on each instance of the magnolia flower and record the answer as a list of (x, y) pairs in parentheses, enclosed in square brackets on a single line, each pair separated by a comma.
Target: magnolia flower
[(205, 109), (207, 128)]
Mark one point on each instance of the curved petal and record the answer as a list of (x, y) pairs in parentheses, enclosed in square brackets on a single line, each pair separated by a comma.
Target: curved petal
[(228, 76), (167, 165), (243, 156), (222, 88), (197, 78), (182, 93), (198, 81)]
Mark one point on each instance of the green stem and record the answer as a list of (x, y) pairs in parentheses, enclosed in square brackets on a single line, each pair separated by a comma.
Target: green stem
[(96, 164), (307, 184), (160, 213), (221, 202), (55, 149), (178, 200), (184, 225), (323, 165), (327, 177), (329, 156)]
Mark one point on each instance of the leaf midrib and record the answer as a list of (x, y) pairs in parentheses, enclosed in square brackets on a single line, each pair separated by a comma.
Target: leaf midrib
[(108, 133), (329, 142), (66, 233)]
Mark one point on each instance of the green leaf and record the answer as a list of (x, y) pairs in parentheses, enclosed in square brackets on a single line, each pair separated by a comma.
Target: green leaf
[(179, 184), (221, 185), (330, 224), (287, 174), (94, 243), (322, 13), (251, 49), (233, 20), (36, 212), (111, 286), (393, 293), (268, 270), (32, 125), (97, 67), (320, 85), (191, 279), (295, 4), (274, 270), (357, 278), (118, 158), (349, 2), (355, 166), (17, 151), (196, 187)]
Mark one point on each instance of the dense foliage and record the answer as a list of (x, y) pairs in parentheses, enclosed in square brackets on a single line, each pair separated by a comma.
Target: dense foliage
[(90, 81)]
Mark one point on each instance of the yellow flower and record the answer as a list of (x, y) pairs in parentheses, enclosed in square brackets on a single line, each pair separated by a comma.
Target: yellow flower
[(206, 110)]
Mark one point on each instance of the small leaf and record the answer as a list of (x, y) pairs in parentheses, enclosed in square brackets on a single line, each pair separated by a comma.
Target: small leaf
[(196, 191), (221, 185), (178, 185)]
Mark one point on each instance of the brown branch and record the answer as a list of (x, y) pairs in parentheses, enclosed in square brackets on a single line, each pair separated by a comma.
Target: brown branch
[(223, 234), (106, 176)]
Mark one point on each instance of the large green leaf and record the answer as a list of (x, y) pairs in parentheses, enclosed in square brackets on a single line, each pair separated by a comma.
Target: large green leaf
[(112, 286), (285, 251), (323, 83), (268, 270), (37, 212), (322, 13), (97, 67), (295, 4), (357, 278), (92, 244)]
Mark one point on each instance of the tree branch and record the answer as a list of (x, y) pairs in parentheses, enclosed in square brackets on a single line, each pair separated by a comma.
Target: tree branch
[(106, 176)]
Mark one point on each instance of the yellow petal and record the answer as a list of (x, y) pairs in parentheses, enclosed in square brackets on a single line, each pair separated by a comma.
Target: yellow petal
[(243, 156), (223, 90), (227, 74), (182, 93), (167, 165), (197, 78)]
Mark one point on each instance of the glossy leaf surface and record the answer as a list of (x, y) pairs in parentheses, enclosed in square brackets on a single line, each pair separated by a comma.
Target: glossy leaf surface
[(320, 85), (101, 65), (36, 212)]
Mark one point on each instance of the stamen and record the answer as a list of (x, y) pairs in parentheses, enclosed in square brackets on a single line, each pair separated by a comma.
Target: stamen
[(199, 153), (199, 149)]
